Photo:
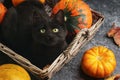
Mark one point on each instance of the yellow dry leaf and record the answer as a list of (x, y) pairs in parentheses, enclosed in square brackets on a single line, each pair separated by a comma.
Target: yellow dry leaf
[(115, 77)]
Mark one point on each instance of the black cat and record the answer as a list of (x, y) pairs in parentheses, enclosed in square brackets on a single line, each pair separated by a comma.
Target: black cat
[(28, 30)]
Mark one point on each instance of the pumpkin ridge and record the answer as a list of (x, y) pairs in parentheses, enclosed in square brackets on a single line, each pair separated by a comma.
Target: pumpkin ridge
[(96, 67), (104, 67), (101, 73), (105, 72), (108, 69), (91, 53), (88, 68), (111, 61), (95, 51)]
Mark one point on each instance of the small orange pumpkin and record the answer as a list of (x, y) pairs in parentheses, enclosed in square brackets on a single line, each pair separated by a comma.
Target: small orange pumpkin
[(16, 2), (98, 62), (78, 13), (3, 10)]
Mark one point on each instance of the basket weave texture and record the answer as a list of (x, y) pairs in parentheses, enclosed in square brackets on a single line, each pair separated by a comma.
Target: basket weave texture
[(84, 36)]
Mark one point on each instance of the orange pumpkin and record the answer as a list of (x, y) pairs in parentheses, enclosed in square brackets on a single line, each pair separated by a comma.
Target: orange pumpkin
[(78, 13), (98, 62), (3, 10), (16, 2), (13, 72)]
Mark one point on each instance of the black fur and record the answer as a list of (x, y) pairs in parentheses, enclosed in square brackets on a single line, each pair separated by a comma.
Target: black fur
[(21, 31)]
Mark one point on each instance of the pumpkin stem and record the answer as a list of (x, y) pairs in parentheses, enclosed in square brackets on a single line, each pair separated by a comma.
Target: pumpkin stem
[(99, 58)]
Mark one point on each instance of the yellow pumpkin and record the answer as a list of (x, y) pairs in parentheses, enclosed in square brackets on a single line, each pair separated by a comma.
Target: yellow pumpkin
[(13, 72), (98, 62)]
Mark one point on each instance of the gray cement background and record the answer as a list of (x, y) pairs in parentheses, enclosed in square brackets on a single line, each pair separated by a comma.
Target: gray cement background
[(71, 71)]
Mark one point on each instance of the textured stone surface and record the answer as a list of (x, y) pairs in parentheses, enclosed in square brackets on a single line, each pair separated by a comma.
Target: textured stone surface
[(71, 71)]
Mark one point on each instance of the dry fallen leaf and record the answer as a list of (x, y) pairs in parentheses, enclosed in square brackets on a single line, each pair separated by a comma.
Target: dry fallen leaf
[(113, 30), (115, 33), (115, 77), (117, 38)]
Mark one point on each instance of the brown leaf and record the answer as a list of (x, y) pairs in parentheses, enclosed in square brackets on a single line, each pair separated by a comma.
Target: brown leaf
[(115, 77), (115, 33), (117, 38), (113, 30)]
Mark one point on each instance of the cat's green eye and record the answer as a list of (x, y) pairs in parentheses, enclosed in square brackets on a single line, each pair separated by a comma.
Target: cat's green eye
[(42, 30), (55, 30)]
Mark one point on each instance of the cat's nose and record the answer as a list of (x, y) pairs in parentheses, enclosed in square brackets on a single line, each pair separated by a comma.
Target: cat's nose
[(48, 38)]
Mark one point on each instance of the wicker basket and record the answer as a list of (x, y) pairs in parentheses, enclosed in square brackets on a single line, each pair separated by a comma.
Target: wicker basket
[(79, 41)]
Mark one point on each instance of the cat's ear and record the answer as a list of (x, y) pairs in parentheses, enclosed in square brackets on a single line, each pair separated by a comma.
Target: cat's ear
[(60, 17)]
